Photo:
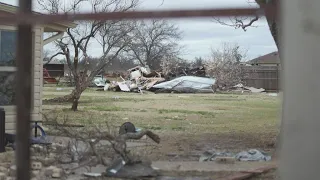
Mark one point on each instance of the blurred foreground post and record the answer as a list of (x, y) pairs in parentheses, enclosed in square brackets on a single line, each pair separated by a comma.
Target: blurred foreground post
[(300, 148), (23, 93), (2, 129)]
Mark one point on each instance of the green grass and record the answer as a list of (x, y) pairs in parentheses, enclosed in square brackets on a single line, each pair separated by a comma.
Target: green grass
[(105, 108), (204, 113), (252, 114)]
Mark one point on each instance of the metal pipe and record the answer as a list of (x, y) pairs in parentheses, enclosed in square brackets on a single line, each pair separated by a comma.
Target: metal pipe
[(23, 92)]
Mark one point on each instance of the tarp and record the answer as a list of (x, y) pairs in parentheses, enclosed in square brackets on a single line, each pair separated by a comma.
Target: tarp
[(250, 155), (187, 82)]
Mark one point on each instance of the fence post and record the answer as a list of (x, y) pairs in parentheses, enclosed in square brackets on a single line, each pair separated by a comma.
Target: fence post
[(2, 129)]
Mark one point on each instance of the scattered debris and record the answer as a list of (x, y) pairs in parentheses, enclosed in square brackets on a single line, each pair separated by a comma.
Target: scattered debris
[(139, 79), (251, 155), (115, 167), (99, 81), (181, 80), (187, 84), (106, 87), (124, 86), (273, 94), (241, 87), (213, 154)]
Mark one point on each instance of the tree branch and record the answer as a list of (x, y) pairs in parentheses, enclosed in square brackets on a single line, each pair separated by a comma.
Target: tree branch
[(53, 56), (239, 23)]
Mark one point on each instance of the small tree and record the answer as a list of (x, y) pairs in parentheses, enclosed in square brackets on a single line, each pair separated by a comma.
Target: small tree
[(225, 66), (113, 36), (154, 41)]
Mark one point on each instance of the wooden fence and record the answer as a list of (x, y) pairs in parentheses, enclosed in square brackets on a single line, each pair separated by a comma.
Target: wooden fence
[(266, 77)]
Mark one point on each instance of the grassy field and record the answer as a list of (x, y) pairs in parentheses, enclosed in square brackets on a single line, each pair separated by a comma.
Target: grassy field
[(193, 120)]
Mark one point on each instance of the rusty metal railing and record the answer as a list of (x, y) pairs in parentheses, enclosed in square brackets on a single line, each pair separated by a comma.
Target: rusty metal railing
[(25, 21)]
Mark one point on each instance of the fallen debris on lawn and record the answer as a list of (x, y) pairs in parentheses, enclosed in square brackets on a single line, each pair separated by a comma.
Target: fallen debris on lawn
[(241, 87), (187, 84), (185, 81), (99, 81), (250, 155), (139, 79)]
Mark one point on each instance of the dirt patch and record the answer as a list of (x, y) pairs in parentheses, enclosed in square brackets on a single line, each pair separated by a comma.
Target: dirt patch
[(272, 175), (189, 147)]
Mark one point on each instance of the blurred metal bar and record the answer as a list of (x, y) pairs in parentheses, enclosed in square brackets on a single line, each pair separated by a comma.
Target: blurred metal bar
[(23, 92), (299, 153), (43, 19)]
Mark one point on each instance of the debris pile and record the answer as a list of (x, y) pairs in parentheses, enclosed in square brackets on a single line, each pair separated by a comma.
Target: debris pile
[(250, 155), (182, 80), (139, 79)]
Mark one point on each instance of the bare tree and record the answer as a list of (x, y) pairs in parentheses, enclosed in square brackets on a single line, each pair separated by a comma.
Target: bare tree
[(245, 22), (154, 41), (225, 66), (113, 36)]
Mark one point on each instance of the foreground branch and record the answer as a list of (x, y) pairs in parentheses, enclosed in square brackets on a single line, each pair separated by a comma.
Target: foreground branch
[(120, 146), (92, 136), (139, 135)]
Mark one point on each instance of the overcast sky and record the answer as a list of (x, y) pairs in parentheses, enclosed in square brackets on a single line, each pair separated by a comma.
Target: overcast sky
[(200, 35)]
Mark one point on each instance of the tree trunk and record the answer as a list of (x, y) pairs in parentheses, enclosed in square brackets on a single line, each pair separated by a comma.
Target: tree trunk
[(273, 20), (73, 97)]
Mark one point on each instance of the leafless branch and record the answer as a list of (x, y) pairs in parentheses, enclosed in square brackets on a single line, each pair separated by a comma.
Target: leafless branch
[(237, 22), (113, 36), (240, 22), (94, 135), (53, 56)]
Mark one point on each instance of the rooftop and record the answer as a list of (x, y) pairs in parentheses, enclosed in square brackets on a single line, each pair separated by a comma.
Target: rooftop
[(271, 58)]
